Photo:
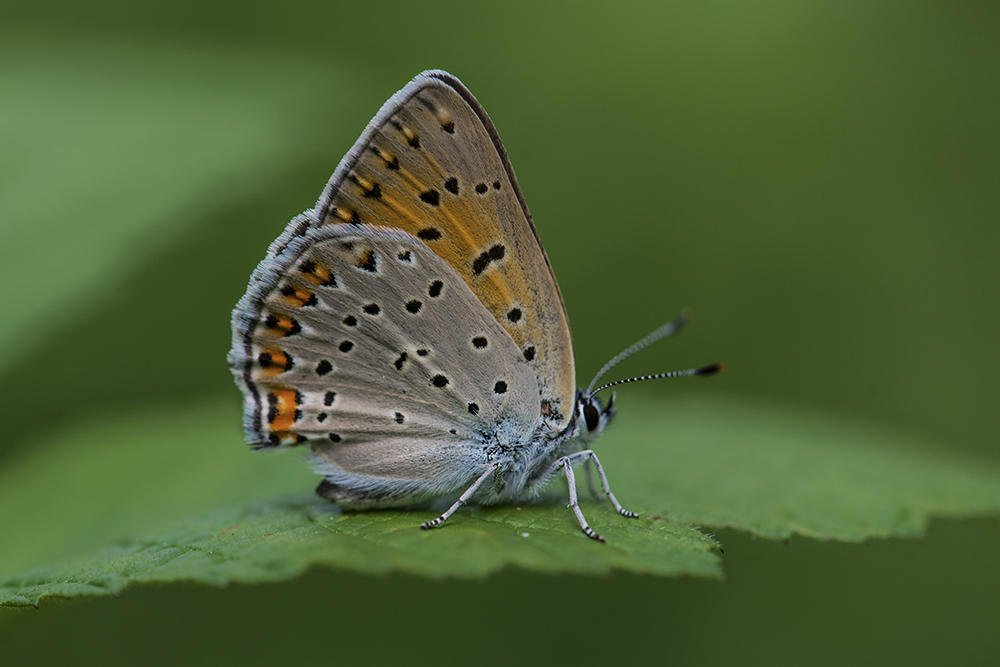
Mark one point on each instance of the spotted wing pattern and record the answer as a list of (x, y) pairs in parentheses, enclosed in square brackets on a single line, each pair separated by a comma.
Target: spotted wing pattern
[(375, 351), (431, 164)]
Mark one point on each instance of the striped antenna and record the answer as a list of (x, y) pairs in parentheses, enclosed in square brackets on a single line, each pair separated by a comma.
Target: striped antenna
[(668, 329), (704, 370)]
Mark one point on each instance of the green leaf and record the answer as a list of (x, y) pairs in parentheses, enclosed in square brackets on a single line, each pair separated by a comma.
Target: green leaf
[(175, 496), (279, 539), (179, 497), (775, 472)]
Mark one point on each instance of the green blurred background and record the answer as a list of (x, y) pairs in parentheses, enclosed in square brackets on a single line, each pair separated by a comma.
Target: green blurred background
[(820, 182)]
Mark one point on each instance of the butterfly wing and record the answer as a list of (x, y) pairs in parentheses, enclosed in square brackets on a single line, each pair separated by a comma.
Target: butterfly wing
[(431, 164), (364, 343)]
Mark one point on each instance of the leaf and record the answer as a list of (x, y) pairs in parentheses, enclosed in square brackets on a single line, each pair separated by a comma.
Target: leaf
[(174, 496), (179, 498), (278, 540), (774, 472)]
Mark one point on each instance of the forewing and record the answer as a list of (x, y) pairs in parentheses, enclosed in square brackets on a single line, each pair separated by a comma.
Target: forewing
[(431, 163), (375, 350)]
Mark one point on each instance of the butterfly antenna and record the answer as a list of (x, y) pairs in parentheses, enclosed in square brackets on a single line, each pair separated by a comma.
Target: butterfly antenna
[(668, 329), (704, 370)]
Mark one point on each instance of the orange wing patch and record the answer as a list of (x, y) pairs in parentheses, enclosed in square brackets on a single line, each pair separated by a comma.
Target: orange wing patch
[(283, 412), (317, 274), (297, 297), (279, 326), (273, 362)]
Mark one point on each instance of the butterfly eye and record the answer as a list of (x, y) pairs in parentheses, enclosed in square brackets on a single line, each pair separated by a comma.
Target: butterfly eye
[(592, 415)]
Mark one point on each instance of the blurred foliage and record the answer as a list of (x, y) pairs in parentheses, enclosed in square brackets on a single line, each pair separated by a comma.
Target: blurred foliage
[(818, 181)]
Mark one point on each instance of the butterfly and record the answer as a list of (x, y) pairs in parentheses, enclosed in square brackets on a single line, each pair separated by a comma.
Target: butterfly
[(409, 330)]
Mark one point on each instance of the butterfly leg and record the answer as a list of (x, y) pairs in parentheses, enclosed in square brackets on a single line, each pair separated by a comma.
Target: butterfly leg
[(567, 466), (591, 456), (427, 525), (594, 493)]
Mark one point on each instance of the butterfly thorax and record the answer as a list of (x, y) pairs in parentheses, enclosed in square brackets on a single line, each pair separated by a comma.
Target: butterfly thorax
[(525, 469)]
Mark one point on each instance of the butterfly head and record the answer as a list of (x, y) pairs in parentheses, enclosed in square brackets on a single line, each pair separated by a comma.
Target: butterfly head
[(592, 416)]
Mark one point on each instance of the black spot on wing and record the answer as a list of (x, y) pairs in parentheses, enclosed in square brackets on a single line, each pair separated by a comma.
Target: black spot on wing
[(391, 161), (367, 261), (494, 254), (400, 361)]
